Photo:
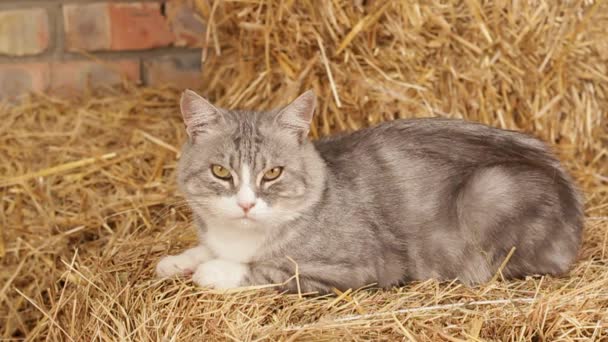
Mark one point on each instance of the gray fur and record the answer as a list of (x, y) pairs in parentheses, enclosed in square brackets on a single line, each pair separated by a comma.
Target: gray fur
[(404, 200)]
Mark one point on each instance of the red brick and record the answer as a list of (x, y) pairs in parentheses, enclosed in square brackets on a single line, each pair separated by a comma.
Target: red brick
[(187, 25), (18, 79), (87, 27), (74, 76), (137, 26), (182, 71), (24, 32)]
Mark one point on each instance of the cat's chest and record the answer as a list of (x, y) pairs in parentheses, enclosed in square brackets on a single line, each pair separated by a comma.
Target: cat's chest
[(238, 245)]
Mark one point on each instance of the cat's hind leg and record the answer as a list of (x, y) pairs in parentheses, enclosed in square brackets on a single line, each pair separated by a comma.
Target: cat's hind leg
[(515, 207), (484, 205)]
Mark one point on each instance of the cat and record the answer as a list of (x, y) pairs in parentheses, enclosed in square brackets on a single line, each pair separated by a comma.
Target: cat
[(405, 200)]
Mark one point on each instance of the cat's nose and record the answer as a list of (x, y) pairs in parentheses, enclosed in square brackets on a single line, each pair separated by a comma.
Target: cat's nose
[(246, 206)]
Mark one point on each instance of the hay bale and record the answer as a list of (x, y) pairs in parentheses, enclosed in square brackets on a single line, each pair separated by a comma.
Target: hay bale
[(88, 186)]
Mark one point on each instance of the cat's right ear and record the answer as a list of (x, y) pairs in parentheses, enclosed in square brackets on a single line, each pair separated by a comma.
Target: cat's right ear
[(198, 114)]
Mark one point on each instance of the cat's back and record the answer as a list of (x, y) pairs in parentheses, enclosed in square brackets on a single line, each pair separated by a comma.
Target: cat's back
[(436, 139), (427, 159)]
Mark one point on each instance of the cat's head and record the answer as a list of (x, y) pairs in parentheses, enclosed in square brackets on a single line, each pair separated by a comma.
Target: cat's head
[(249, 169)]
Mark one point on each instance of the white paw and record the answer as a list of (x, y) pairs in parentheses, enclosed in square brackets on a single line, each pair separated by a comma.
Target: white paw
[(220, 274), (175, 264)]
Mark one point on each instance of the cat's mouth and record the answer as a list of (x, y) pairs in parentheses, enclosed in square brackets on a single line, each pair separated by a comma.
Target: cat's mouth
[(246, 218)]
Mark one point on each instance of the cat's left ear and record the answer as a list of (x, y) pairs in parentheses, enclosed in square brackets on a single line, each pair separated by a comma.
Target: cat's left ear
[(199, 115), (297, 116)]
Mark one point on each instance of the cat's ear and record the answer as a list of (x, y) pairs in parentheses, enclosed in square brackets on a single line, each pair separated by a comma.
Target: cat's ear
[(199, 115), (297, 115)]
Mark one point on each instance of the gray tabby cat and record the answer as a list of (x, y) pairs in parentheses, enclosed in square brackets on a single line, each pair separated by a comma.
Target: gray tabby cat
[(405, 200)]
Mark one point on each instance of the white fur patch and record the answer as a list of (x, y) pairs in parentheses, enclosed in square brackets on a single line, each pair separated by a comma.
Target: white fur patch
[(228, 207), (184, 263), (245, 194), (220, 274), (234, 240)]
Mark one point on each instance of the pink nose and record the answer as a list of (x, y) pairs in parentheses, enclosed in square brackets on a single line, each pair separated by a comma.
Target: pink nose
[(246, 206)]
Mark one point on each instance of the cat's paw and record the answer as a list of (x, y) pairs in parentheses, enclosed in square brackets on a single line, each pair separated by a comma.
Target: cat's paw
[(220, 274), (171, 265)]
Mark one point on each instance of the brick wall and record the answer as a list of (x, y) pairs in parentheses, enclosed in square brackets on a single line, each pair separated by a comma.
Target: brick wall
[(65, 46)]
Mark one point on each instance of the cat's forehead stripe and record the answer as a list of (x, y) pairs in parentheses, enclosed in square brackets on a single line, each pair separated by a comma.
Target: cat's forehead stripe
[(232, 162), (248, 140)]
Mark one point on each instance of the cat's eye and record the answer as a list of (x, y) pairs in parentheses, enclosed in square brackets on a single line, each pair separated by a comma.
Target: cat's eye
[(220, 172), (272, 174)]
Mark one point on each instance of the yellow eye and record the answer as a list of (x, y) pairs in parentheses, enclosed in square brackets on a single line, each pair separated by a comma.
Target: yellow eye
[(220, 172), (273, 173)]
